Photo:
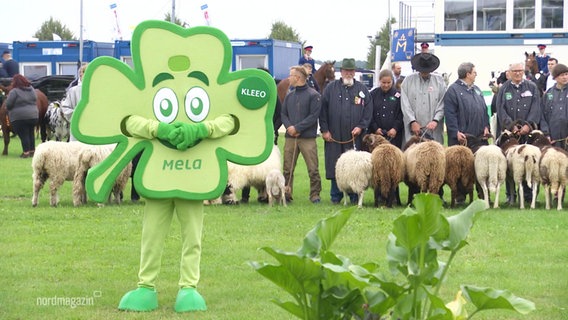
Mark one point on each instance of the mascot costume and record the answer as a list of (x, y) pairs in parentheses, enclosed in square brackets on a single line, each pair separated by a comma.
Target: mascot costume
[(188, 114)]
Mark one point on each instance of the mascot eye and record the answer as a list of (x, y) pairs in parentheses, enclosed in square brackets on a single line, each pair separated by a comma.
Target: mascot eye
[(196, 104), (165, 105)]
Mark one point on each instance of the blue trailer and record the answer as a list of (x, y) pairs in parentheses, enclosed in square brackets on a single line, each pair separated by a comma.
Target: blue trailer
[(275, 55), (43, 58)]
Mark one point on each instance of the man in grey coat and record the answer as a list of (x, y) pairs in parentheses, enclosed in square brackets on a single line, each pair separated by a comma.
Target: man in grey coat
[(422, 99), (346, 111)]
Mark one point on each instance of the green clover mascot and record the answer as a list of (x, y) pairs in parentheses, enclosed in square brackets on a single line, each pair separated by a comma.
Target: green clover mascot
[(188, 114)]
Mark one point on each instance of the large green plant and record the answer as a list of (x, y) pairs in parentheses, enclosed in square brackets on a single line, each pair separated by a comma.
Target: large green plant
[(328, 286)]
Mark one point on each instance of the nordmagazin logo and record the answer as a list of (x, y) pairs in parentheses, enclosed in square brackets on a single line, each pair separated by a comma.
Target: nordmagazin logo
[(72, 302)]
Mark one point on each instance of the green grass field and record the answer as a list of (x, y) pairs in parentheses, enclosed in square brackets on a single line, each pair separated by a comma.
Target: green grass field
[(76, 263)]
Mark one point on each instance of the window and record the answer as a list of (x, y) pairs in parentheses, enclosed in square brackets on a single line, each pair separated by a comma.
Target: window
[(251, 61), (458, 15), (552, 14), (523, 14), (68, 69), (491, 15), (33, 71)]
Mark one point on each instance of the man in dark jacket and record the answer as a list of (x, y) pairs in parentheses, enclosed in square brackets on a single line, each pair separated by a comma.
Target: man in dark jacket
[(300, 112), (465, 109), (346, 111), (554, 120)]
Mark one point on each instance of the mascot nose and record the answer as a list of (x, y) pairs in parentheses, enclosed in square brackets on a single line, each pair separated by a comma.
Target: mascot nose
[(178, 63)]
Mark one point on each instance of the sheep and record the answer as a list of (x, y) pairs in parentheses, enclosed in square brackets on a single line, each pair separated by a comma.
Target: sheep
[(275, 187), (56, 161), (354, 174), (57, 118), (425, 166), (388, 168), (490, 171), (240, 176), (553, 167), (522, 164), (89, 157), (460, 172)]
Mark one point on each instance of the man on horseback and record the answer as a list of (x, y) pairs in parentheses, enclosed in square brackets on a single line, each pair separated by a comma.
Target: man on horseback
[(307, 58)]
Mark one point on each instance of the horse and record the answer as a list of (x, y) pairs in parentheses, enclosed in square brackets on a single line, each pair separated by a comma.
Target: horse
[(531, 66), (324, 75), (41, 103)]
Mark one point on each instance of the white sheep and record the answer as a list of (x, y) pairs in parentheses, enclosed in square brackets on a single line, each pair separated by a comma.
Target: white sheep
[(490, 171), (388, 167), (553, 167), (86, 159), (56, 161), (522, 164), (425, 166), (240, 176), (354, 174), (275, 187)]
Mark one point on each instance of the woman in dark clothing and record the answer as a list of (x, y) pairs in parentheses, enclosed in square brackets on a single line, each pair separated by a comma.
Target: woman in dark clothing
[(387, 115), (22, 111)]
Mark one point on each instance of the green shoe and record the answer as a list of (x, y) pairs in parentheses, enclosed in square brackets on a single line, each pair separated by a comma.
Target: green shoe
[(141, 299), (188, 299)]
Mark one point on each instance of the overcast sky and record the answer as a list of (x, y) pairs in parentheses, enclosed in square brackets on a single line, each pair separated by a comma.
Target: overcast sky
[(336, 29)]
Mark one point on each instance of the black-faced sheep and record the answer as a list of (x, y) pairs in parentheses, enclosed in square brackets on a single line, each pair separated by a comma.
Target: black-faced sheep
[(425, 166), (275, 187), (460, 172), (490, 170), (553, 167), (86, 159), (241, 176), (388, 168), (353, 174), (522, 164), (56, 161)]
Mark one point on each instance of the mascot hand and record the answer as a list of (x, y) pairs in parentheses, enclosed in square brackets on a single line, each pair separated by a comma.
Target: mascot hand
[(167, 132), (221, 126), (189, 134)]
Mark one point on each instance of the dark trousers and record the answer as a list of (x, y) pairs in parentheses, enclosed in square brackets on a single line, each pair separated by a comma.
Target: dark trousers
[(25, 130), (337, 195)]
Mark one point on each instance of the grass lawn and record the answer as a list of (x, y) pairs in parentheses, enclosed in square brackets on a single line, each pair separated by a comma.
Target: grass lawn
[(76, 263)]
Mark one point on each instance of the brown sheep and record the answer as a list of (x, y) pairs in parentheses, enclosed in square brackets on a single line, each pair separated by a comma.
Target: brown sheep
[(460, 172), (388, 168), (425, 166)]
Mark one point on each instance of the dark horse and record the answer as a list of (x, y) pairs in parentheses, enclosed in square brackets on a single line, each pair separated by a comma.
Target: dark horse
[(324, 75), (531, 66), (42, 104)]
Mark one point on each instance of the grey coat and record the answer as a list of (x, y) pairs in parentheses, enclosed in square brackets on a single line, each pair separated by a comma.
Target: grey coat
[(21, 104), (423, 101)]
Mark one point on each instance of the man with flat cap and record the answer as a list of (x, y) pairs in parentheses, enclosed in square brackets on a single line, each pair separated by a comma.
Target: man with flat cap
[(554, 121), (307, 58), (346, 111), (422, 99)]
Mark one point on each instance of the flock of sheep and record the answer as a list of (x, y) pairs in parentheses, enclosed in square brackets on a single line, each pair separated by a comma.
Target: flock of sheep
[(424, 166)]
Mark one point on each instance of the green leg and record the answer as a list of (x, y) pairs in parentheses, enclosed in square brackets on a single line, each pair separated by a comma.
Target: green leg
[(157, 220), (190, 216)]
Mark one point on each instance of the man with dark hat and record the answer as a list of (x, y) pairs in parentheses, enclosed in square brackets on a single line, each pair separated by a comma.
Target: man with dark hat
[(424, 47), (554, 120), (346, 111), (307, 58), (422, 98), (542, 59)]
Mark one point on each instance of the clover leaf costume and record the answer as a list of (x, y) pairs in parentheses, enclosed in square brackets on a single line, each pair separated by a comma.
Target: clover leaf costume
[(188, 114)]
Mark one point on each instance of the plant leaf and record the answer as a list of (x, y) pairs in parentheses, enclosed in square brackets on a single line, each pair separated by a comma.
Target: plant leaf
[(489, 298), (321, 237), (290, 307), (461, 224)]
